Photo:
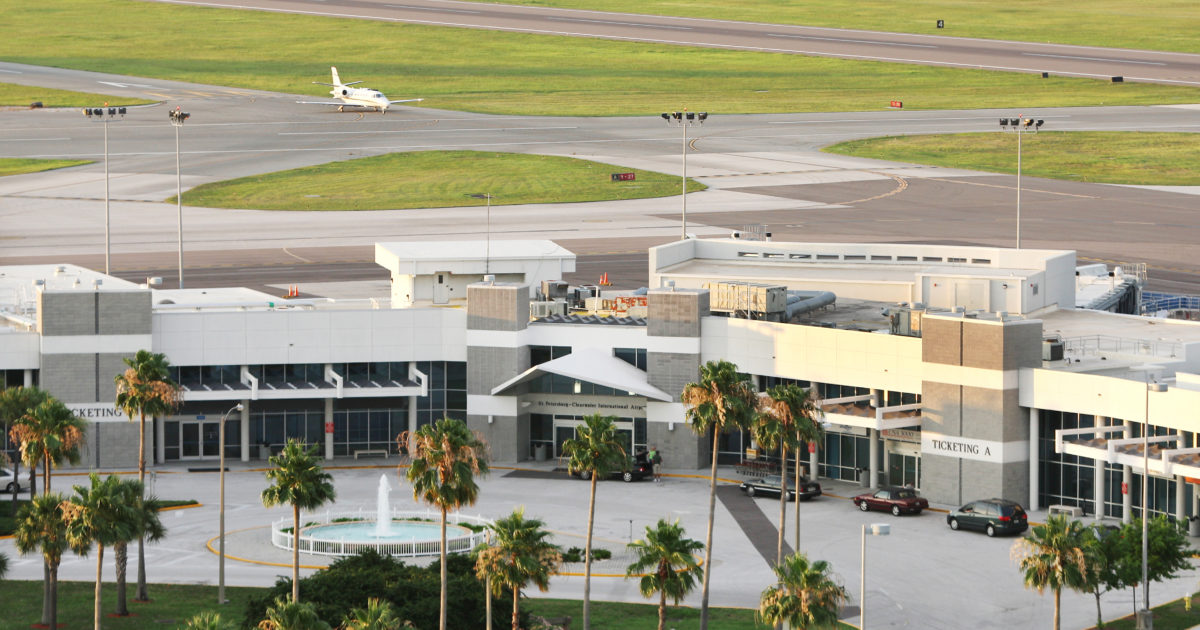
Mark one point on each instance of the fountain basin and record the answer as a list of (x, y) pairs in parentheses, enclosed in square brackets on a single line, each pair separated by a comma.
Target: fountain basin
[(410, 534)]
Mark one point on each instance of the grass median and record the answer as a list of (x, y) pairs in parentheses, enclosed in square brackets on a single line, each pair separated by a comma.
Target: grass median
[(509, 73), (1111, 157), (1150, 25), (434, 179), (21, 166), (13, 95)]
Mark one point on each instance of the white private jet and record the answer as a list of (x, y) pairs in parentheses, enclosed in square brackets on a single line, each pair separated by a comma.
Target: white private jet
[(356, 97)]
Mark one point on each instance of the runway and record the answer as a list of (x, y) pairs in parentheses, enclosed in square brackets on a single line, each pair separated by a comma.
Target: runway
[(954, 52)]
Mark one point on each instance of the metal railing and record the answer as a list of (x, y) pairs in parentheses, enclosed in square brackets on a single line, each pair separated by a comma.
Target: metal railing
[(1153, 302), (1096, 344), (398, 548)]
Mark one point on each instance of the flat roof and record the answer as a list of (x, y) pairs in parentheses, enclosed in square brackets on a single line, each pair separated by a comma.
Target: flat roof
[(458, 251)]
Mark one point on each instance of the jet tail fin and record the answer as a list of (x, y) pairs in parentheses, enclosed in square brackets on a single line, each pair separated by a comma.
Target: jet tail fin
[(336, 79)]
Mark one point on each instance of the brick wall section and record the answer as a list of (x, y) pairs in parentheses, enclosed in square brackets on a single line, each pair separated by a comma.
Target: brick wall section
[(70, 377), (676, 313), (681, 448), (500, 306), (507, 436), (670, 371), (125, 313), (114, 445), (72, 313), (488, 367)]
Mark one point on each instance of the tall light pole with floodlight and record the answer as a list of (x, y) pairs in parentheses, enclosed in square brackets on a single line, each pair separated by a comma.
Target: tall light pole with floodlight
[(874, 529), (105, 115), (1020, 125), (221, 500), (487, 256), (684, 119), (177, 119), (1145, 616)]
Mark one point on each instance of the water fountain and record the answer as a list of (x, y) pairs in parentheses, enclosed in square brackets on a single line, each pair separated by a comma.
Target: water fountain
[(392, 533)]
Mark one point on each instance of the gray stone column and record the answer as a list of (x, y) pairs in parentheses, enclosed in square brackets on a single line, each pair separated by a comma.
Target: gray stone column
[(873, 471), (160, 439), (501, 307), (244, 438), (1180, 499), (328, 434), (1034, 460), (28, 378), (1127, 484), (676, 313)]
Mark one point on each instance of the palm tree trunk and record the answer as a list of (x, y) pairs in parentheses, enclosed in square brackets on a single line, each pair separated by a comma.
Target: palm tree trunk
[(143, 593), (708, 538), (46, 595), (783, 493), (295, 552), (1099, 617), (54, 597), (99, 566), (587, 558), (45, 476), (1057, 600), (662, 609), (445, 577), (33, 480), (121, 553), (796, 547), (516, 609)]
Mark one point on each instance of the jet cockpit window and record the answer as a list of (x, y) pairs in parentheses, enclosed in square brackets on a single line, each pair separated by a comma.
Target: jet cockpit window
[(378, 95)]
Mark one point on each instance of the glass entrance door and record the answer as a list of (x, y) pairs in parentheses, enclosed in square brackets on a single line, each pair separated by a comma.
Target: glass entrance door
[(565, 430), (904, 470), (199, 440)]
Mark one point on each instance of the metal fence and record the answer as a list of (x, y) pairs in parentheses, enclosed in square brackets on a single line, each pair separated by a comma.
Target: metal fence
[(1153, 302), (399, 548), (1096, 344)]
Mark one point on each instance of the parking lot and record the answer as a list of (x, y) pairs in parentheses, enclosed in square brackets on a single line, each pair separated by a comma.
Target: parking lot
[(965, 578)]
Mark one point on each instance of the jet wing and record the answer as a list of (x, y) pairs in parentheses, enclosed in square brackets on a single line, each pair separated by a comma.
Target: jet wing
[(407, 100), (335, 103)]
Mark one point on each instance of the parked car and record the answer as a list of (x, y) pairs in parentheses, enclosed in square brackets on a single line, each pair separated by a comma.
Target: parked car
[(992, 516), (895, 500), (9, 481), (770, 486), (639, 468)]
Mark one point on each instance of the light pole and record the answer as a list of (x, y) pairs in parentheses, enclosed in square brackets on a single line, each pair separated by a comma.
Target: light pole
[(1145, 617), (177, 119), (1020, 125), (684, 119), (104, 115), (874, 529), (487, 256), (221, 500)]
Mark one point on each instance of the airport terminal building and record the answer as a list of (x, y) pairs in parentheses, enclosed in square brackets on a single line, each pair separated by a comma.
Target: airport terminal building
[(968, 372)]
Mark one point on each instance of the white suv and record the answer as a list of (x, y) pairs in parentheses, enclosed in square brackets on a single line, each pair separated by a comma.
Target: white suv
[(8, 481)]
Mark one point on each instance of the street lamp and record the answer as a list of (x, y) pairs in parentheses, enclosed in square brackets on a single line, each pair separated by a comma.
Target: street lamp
[(684, 119), (1145, 617), (487, 257), (105, 115), (1020, 125), (177, 119), (874, 529), (221, 500)]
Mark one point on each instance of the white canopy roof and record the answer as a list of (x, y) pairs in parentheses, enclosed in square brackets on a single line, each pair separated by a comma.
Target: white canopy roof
[(594, 366)]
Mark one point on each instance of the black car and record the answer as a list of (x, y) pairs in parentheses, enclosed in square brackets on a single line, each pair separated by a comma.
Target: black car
[(993, 516), (770, 486), (639, 468)]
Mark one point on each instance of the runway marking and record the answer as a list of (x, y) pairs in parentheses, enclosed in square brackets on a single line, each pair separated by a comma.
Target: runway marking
[(297, 257), (11, 71), (1145, 63), (850, 41), (1136, 222), (1048, 192), (405, 6), (125, 85), (336, 133), (902, 184), (816, 53), (32, 139), (636, 24)]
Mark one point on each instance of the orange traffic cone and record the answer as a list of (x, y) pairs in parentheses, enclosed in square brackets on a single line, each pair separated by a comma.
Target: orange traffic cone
[(604, 279)]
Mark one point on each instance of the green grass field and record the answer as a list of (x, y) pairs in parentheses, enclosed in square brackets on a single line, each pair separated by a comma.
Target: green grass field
[(1160, 159), (15, 95), (19, 166), (508, 73), (1151, 25), (434, 179)]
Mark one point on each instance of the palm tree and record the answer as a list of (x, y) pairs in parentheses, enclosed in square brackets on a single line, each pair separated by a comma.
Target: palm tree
[(1052, 556), (50, 433), (145, 525), (17, 403), (805, 596), (519, 554), (146, 388), (40, 527), (300, 481), (667, 564), (446, 458), (594, 452), (98, 515), (207, 620), (797, 410), (293, 615), (378, 615), (721, 400)]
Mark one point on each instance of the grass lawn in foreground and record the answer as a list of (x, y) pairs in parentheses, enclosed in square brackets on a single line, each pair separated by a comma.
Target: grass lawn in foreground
[(510, 73), (15, 95), (434, 179), (1113, 157), (1149, 24), (20, 166), (1168, 616)]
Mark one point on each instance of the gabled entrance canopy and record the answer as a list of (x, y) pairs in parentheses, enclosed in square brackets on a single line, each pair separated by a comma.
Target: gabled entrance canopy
[(591, 365)]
